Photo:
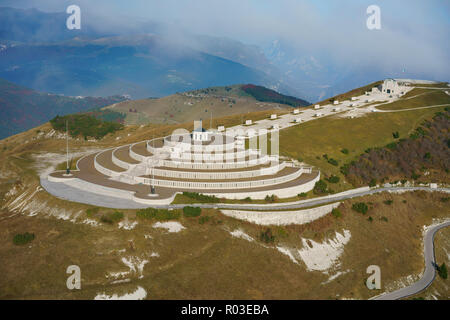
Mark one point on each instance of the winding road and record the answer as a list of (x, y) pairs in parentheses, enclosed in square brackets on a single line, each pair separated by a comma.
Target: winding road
[(430, 270), (66, 192)]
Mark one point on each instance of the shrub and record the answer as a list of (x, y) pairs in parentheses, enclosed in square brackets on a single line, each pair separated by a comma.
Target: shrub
[(360, 207), (395, 134), (333, 179), (302, 195), (266, 236), (271, 198), (112, 217), (345, 169), (203, 219), (336, 213), (383, 218), (392, 145), (92, 211), (345, 151), (415, 176), (201, 197), (248, 199), (320, 187), (373, 182), (442, 271), (192, 211), (388, 202), (370, 219), (23, 238), (158, 214), (333, 162)]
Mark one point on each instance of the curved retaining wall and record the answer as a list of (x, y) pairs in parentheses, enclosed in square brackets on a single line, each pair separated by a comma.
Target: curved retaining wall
[(188, 145), (281, 193), (219, 175), (120, 163), (220, 185), (104, 170)]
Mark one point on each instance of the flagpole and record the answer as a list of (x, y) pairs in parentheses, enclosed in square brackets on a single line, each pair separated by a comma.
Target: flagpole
[(67, 148)]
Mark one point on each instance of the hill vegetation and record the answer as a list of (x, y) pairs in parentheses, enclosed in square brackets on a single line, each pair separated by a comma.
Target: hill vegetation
[(85, 126), (267, 95), (427, 148), (199, 104)]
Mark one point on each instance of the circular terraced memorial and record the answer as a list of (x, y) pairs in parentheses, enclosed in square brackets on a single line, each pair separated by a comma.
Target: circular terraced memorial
[(211, 163)]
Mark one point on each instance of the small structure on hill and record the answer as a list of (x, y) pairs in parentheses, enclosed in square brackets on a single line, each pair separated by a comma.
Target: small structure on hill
[(199, 133), (389, 86)]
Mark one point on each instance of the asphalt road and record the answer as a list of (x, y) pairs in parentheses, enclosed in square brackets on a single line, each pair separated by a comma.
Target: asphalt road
[(430, 270), (67, 192)]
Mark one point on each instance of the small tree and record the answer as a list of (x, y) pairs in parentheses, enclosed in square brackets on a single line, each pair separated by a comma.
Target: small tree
[(266, 236), (442, 271), (320, 187), (360, 207), (336, 213)]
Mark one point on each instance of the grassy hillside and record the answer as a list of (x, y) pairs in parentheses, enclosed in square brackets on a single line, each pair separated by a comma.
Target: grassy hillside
[(345, 139), (194, 105), (204, 260), (424, 156), (22, 108)]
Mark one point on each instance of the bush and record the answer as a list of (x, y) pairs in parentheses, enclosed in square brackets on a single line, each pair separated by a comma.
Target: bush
[(158, 214), (415, 176), (201, 197), (388, 202), (192, 211), (392, 145), (271, 198), (373, 182), (23, 238), (112, 217), (395, 134), (370, 219), (333, 179), (266, 236), (442, 271), (360, 207), (92, 211), (320, 187), (302, 195), (333, 162), (336, 213), (345, 151), (383, 218), (203, 219)]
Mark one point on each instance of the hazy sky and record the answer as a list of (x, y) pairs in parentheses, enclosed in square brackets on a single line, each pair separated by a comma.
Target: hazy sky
[(414, 33)]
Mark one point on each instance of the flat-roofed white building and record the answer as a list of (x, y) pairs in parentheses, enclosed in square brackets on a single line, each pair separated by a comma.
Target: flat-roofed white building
[(389, 86)]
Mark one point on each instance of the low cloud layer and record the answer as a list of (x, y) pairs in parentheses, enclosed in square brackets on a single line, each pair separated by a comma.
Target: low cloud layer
[(413, 36)]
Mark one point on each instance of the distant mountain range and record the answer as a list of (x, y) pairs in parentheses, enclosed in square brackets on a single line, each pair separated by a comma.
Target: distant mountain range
[(22, 108), (37, 51)]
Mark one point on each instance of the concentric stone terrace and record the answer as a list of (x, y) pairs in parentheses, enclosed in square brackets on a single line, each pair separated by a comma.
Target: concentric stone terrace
[(214, 164)]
